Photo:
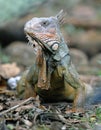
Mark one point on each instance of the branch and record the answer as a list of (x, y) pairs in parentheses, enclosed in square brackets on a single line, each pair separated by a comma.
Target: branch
[(14, 107)]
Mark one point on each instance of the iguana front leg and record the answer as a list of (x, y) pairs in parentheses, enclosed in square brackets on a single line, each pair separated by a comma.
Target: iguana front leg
[(26, 85), (79, 100), (77, 87), (78, 92)]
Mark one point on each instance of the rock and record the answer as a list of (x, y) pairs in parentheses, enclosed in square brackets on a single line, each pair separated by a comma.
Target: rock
[(80, 60), (13, 31), (78, 57), (89, 42), (92, 80), (96, 61), (88, 70), (84, 16), (21, 53), (84, 12)]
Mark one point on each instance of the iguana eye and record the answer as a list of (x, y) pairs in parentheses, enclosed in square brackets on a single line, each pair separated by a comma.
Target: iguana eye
[(45, 23)]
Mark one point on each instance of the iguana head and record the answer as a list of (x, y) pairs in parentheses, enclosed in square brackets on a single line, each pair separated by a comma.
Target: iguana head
[(45, 32)]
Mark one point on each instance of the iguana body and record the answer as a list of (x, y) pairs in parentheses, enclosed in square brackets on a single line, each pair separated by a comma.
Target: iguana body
[(52, 75)]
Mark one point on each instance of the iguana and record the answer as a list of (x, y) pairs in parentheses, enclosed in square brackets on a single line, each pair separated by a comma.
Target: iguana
[(52, 76)]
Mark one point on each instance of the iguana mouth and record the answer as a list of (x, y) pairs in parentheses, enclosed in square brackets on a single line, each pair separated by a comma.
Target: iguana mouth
[(42, 44)]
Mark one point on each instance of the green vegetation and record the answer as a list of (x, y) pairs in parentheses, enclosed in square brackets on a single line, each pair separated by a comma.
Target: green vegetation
[(99, 73), (3, 57), (98, 113), (11, 9)]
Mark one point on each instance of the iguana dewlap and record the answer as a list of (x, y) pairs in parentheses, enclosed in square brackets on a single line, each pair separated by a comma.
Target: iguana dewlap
[(52, 76)]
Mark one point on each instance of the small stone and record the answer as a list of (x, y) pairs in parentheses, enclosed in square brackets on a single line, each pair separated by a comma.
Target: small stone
[(12, 82)]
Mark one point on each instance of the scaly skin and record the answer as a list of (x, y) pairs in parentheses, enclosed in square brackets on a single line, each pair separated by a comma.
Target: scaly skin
[(52, 76)]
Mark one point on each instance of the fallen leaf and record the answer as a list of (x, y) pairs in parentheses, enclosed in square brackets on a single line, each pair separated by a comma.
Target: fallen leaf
[(9, 70)]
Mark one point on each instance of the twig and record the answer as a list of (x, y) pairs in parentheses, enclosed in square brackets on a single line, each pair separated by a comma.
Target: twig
[(63, 120), (14, 107), (69, 121)]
